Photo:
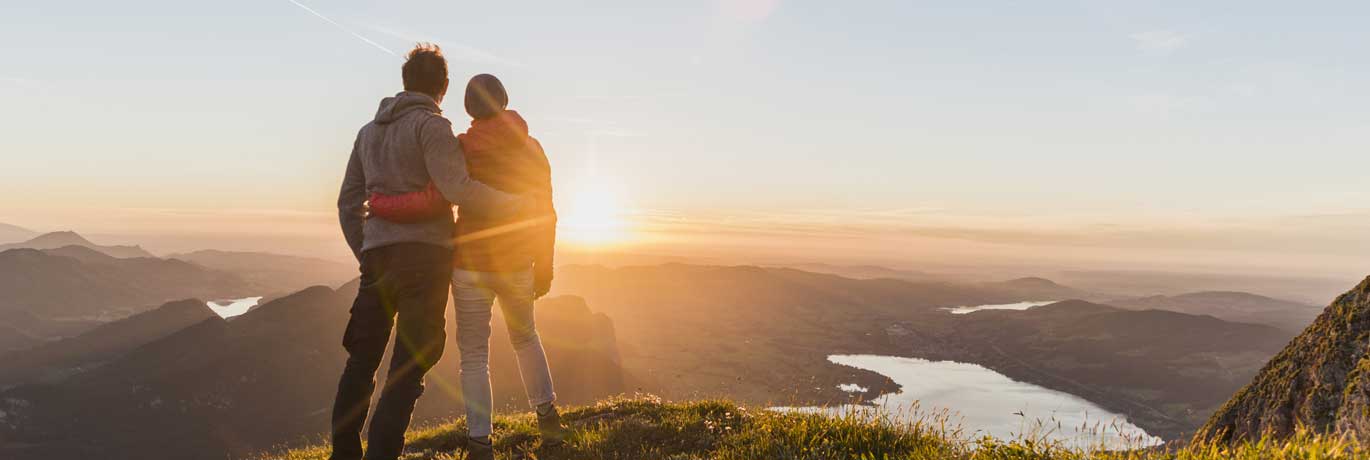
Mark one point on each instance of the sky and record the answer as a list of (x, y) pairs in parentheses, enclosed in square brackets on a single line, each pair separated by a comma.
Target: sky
[(1213, 134)]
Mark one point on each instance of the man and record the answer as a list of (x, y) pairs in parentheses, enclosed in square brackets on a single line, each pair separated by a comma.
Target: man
[(405, 267)]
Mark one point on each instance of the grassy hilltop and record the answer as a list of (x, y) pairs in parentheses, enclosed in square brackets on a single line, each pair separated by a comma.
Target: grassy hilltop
[(646, 428)]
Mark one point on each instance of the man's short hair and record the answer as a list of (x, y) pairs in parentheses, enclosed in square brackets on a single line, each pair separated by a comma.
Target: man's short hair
[(425, 70)]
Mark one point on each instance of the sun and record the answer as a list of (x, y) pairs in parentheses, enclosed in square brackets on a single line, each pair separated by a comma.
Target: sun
[(593, 216)]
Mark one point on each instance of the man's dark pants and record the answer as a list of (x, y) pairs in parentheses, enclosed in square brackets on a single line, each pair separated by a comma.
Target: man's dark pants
[(409, 280)]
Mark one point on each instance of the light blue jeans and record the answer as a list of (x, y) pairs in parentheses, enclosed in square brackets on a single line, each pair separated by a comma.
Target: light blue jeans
[(474, 294)]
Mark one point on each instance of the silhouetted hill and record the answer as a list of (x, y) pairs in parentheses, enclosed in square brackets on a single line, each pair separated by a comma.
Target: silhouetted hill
[(14, 233), (1041, 289), (1232, 306), (1165, 370), (1320, 381), (273, 273), (68, 238), (56, 360), (228, 388), (1033, 282)]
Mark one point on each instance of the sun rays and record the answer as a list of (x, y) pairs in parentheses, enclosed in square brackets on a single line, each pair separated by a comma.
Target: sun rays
[(593, 215)]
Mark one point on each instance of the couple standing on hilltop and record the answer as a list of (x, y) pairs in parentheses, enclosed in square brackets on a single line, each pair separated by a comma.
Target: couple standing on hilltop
[(406, 171)]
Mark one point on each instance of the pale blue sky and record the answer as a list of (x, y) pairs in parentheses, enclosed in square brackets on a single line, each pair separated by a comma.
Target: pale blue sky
[(957, 114)]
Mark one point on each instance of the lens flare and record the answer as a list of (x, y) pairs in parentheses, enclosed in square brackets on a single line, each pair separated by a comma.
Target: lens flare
[(594, 216)]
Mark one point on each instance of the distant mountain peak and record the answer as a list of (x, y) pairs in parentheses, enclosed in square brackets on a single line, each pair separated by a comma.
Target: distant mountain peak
[(1033, 281), (1076, 303), (62, 238), (55, 240), (12, 233), (1038, 288)]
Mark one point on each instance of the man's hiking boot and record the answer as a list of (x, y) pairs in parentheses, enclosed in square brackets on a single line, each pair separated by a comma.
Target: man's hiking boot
[(549, 424), (479, 450)]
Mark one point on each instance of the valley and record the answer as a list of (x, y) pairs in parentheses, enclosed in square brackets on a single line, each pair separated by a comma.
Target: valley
[(761, 336), (765, 336)]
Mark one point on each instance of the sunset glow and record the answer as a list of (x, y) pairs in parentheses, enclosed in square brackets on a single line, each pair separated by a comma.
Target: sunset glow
[(593, 216)]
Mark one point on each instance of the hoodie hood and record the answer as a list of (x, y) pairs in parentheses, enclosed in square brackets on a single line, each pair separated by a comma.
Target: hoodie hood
[(397, 106), (504, 130)]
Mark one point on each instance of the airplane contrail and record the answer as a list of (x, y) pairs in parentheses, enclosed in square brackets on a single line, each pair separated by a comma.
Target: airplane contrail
[(343, 28)]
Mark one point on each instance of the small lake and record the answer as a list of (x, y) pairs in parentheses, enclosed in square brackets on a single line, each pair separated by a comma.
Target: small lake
[(233, 307), (985, 402), (1005, 306)]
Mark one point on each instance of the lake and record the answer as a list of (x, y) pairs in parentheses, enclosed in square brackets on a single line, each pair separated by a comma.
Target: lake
[(985, 402), (1005, 306), (233, 307)]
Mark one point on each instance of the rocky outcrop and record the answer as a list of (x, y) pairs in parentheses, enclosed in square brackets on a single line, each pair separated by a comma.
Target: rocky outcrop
[(1320, 381)]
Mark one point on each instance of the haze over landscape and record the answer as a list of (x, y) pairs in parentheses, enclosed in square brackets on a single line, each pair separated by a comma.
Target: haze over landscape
[(1149, 218)]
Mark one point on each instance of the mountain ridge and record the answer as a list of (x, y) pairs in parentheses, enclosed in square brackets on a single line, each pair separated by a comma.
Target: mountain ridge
[(54, 240), (1236, 306), (13, 233)]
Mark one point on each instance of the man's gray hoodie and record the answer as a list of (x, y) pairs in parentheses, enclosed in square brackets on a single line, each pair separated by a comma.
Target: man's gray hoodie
[(406, 146)]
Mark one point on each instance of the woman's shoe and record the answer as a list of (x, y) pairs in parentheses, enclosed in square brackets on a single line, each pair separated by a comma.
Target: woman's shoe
[(477, 450), (549, 424)]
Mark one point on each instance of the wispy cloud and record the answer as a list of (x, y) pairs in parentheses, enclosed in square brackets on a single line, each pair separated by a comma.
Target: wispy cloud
[(343, 28), (1159, 42), (452, 49)]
